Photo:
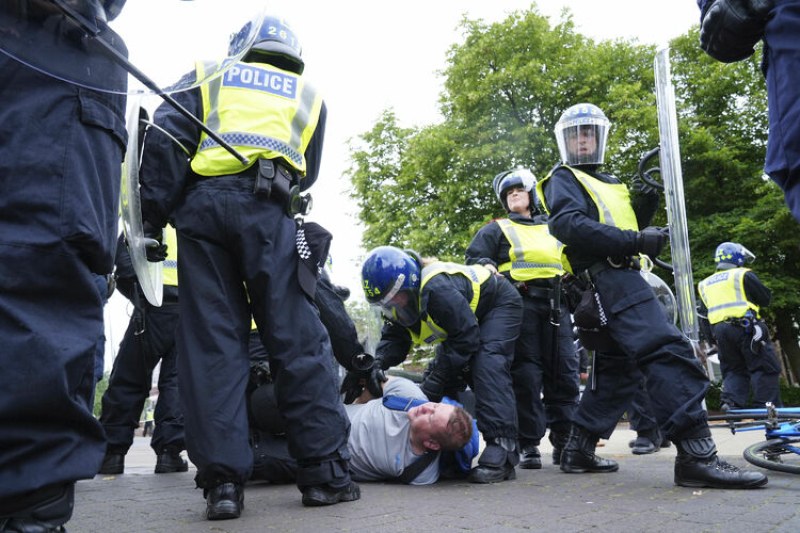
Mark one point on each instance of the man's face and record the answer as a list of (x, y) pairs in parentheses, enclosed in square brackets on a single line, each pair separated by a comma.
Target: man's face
[(430, 419), (582, 142)]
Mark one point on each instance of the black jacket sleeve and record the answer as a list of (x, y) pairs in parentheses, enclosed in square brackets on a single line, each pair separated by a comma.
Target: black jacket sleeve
[(448, 300), (485, 246), (342, 331), (394, 345), (165, 166), (755, 291)]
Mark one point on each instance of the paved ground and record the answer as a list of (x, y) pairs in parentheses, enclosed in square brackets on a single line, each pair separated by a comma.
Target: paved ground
[(640, 497)]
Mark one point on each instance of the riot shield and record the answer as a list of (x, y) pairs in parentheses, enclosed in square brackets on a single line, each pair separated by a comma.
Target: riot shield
[(148, 274), (673, 192), (72, 40), (662, 291)]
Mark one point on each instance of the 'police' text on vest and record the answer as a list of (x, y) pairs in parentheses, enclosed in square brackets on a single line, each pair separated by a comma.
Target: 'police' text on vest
[(251, 77)]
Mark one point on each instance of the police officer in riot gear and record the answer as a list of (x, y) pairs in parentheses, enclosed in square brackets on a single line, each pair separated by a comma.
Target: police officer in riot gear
[(475, 316), (545, 368), (732, 299), (60, 156), (148, 341), (619, 315), (237, 239)]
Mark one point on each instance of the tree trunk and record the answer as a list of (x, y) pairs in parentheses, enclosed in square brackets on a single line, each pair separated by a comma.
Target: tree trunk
[(786, 333)]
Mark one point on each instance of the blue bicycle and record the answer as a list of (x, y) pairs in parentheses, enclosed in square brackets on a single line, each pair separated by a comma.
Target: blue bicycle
[(780, 450)]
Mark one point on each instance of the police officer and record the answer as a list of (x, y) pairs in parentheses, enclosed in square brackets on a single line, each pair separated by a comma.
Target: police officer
[(475, 316), (237, 239), (150, 338), (60, 156), (733, 298), (545, 368), (729, 31), (591, 213)]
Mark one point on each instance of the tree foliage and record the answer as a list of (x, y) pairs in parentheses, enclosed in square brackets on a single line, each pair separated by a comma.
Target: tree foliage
[(429, 188)]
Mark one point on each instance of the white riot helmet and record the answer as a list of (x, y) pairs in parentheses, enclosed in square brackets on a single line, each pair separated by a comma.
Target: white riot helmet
[(581, 133)]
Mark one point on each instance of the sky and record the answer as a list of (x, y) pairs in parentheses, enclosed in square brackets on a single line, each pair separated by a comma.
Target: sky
[(365, 56)]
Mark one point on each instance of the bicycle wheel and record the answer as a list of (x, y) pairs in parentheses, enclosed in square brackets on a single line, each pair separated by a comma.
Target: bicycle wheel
[(775, 454)]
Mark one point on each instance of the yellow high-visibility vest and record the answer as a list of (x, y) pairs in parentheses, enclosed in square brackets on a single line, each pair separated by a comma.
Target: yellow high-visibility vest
[(534, 253), (430, 332), (724, 296)]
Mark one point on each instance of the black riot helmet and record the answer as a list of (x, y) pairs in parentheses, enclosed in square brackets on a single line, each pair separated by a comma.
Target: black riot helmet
[(275, 44), (516, 177)]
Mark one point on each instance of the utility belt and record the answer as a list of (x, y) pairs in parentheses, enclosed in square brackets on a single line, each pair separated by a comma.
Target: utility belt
[(273, 180), (534, 289), (622, 263), (743, 322)]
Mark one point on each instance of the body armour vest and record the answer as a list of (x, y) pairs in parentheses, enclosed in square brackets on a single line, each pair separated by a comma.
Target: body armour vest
[(723, 294), (430, 332), (611, 199), (263, 112), (534, 253)]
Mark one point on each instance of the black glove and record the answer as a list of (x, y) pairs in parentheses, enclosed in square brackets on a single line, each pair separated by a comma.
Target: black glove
[(154, 246), (651, 240), (731, 28), (366, 372), (433, 385), (640, 186)]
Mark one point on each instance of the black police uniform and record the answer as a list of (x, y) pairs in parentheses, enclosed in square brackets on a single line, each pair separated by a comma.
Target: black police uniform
[(150, 338), (483, 341), (641, 336), (234, 244), (745, 363), (539, 367), (60, 152)]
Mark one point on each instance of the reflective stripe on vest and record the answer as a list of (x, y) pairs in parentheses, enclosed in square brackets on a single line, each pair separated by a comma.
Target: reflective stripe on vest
[(288, 113), (169, 270), (612, 199), (430, 332), (534, 253), (723, 294)]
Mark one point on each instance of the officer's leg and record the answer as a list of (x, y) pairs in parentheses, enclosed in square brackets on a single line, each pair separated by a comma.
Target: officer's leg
[(526, 374), (600, 409), (765, 371), (674, 378), (212, 352), (300, 358), (128, 388), (494, 395), (648, 437), (168, 436), (731, 340), (561, 385), (49, 324)]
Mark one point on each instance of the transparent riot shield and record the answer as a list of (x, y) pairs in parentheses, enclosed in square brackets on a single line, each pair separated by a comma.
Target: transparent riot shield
[(149, 274), (663, 293), (673, 192)]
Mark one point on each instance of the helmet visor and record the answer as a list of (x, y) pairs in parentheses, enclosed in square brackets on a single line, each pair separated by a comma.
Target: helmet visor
[(402, 308), (582, 144)]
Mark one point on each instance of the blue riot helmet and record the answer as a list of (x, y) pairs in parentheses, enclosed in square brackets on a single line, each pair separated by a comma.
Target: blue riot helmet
[(732, 254), (391, 280), (581, 134), (516, 177), (275, 44)]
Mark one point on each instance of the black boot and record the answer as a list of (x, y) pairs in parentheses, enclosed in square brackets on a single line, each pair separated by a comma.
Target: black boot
[(697, 465), (646, 443), (113, 464), (319, 495), (558, 440), (496, 463), (169, 461), (530, 458), (224, 501), (579, 457)]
